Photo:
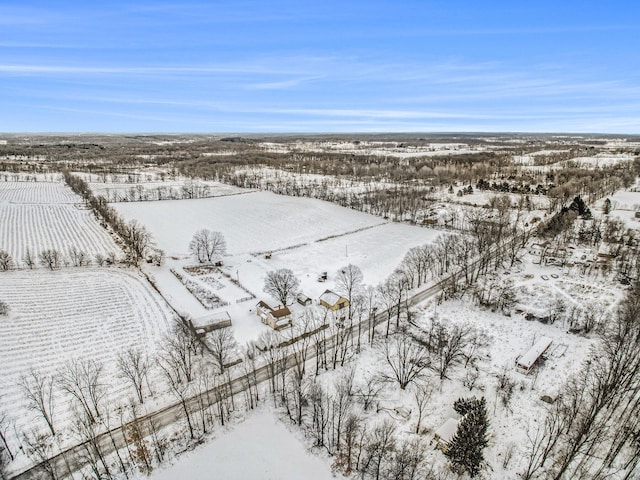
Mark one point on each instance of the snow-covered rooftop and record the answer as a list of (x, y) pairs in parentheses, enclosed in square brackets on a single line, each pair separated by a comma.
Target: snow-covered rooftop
[(527, 360), (331, 298), (447, 430)]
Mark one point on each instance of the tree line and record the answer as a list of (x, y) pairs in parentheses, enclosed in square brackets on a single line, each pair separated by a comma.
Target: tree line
[(138, 242)]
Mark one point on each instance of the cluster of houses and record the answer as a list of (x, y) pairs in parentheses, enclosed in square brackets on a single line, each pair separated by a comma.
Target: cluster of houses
[(280, 316)]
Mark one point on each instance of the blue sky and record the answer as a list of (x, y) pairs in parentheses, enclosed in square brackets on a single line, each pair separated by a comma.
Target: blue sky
[(302, 66)]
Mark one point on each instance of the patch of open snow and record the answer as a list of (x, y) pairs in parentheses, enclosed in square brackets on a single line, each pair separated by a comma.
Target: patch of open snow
[(259, 448)]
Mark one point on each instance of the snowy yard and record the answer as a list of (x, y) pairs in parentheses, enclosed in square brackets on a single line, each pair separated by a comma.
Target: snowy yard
[(624, 205), (261, 447), (509, 337), (305, 235)]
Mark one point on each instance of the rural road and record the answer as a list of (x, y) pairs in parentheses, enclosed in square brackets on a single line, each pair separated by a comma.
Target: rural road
[(69, 460)]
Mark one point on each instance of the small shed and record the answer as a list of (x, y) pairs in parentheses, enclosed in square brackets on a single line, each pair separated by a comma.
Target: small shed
[(208, 323), (445, 433), (526, 362), (303, 300)]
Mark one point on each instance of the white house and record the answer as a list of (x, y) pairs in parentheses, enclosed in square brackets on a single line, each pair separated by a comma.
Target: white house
[(277, 318)]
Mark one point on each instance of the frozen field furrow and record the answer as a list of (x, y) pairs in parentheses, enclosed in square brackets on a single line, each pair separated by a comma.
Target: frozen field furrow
[(72, 314)]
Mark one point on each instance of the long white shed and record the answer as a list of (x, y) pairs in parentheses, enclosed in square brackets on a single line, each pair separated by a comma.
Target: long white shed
[(525, 362)]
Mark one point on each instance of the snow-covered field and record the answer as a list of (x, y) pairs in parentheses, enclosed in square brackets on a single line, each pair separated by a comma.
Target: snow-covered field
[(44, 215), (73, 314), (255, 222), (377, 251), (305, 235), (382, 148), (261, 447), (624, 205), (600, 160), (36, 192), (160, 190)]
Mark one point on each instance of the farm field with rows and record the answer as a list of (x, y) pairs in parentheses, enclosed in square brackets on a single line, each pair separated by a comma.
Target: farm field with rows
[(45, 215), (71, 315)]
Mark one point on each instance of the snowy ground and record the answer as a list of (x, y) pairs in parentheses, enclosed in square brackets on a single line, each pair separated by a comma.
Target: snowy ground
[(261, 447), (508, 338), (118, 190), (305, 235), (44, 215), (255, 222), (601, 160), (624, 205), (73, 314), (382, 148)]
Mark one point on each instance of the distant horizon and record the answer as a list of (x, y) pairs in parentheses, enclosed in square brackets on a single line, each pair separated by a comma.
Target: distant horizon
[(327, 133), (285, 67)]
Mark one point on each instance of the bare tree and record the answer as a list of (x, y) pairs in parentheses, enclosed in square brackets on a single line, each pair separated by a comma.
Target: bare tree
[(252, 393), (173, 372), (91, 453), (138, 240), (369, 390), (422, 394), (38, 391), (28, 259), (5, 423), (135, 442), (301, 342), (542, 443), (270, 341), (222, 345), (407, 359), (206, 245), (449, 345), (417, 261), (340, 405), (379, 448), (408, 460), (78, 257), (83, 381), (318, 401), (106, 421), (50, 258), (100, 259), (352, 428), (40, 448), (6, 261), (281, 284), (133, 365), (349, 283), (181, 347)]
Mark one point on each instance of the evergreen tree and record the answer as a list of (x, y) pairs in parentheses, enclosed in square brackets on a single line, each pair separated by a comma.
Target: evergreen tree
[(464, 405), (465, 451)]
